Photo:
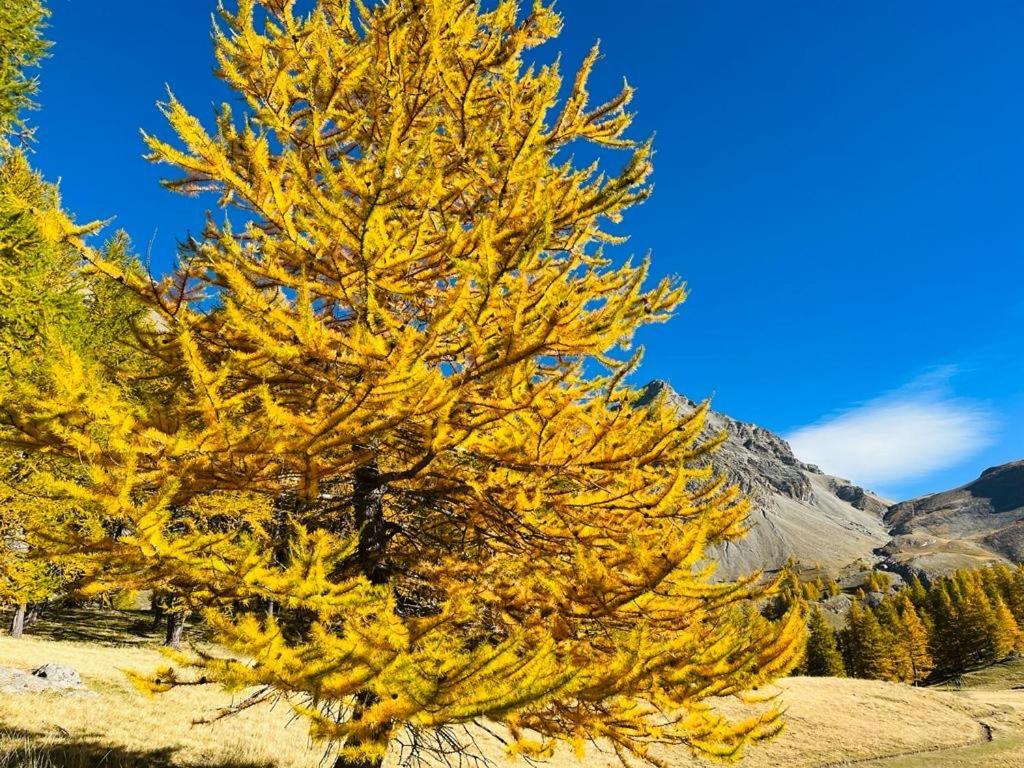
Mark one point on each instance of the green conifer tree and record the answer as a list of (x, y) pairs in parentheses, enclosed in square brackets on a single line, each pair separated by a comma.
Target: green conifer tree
[(901, 666), (916, 591), (977, 626), (822, 658), (868, 649), (947, 640)]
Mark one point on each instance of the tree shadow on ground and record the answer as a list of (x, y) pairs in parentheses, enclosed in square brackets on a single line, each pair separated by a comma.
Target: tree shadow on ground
[(98, 625), (24, 749), (77, 624)]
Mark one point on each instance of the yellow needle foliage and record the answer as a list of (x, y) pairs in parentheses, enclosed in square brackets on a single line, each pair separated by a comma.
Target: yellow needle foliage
[(41, 293), (385, 396)]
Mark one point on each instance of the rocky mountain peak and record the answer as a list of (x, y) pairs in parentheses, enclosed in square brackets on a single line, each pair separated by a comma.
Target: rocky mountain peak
[(757, 460), (798, 511), (1002, 486)]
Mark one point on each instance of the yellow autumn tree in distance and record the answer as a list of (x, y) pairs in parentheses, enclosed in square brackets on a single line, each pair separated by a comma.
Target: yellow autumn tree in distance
[(387, 397), (44, 295)]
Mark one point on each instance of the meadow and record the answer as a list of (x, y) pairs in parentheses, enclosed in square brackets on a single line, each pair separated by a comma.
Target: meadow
[(830, 722)]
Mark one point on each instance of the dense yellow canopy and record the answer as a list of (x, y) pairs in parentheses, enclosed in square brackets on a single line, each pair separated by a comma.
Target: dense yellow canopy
[(387, 394)]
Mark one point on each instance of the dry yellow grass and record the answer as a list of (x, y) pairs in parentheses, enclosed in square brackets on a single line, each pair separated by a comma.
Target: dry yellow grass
[(158, 729), (829, 721), (835, 721)]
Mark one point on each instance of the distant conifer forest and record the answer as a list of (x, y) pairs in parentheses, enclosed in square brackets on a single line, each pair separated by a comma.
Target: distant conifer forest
[(914, 634)]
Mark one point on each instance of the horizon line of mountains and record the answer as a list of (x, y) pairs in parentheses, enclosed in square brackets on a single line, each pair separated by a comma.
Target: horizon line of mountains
[(833, 527)]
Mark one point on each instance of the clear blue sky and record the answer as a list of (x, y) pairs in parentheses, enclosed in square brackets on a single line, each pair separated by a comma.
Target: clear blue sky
[(839, 183)]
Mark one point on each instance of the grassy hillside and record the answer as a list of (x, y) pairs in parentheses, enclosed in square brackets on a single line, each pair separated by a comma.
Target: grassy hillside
[(830, 721)]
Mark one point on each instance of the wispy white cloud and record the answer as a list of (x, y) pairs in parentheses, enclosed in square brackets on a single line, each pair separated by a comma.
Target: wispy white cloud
[(901, 436)]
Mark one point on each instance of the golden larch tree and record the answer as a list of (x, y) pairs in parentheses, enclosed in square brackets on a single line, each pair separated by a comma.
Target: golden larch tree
[(393, 403), (914, 636), (48, 307), (21, 48), (1006, 634)]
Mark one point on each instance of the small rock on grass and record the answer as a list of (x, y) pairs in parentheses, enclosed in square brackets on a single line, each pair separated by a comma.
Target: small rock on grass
[(49, 677)]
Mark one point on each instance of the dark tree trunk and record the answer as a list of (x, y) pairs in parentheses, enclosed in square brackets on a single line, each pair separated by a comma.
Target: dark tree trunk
[(18, 622), (175, 628), (374, 533), (157, 607), (343, 762), (368, 501), (34, 611)]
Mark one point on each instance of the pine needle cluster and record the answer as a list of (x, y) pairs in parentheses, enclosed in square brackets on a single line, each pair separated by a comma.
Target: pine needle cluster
[(21, 49)]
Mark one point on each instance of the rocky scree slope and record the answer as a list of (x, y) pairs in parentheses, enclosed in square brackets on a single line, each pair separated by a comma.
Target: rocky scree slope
[(798, 511)]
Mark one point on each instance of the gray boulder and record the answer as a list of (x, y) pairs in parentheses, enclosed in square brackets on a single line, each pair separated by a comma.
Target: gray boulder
[(58, 676), (52, 678), (874, 599)]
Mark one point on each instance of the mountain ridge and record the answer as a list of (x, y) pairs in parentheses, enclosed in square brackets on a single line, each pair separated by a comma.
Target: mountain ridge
[(830, 524), (982, 520)]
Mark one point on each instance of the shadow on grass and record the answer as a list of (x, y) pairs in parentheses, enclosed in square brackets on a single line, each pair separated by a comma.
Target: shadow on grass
[(91, 625), (102, 626), (1007, 674), (23, 749)]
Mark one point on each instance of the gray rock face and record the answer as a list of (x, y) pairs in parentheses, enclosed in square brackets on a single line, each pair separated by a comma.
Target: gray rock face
[(837, 605), (798, 511), (760, 462), (59, 676), (835, 609), (858, 497), (874, 599)]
